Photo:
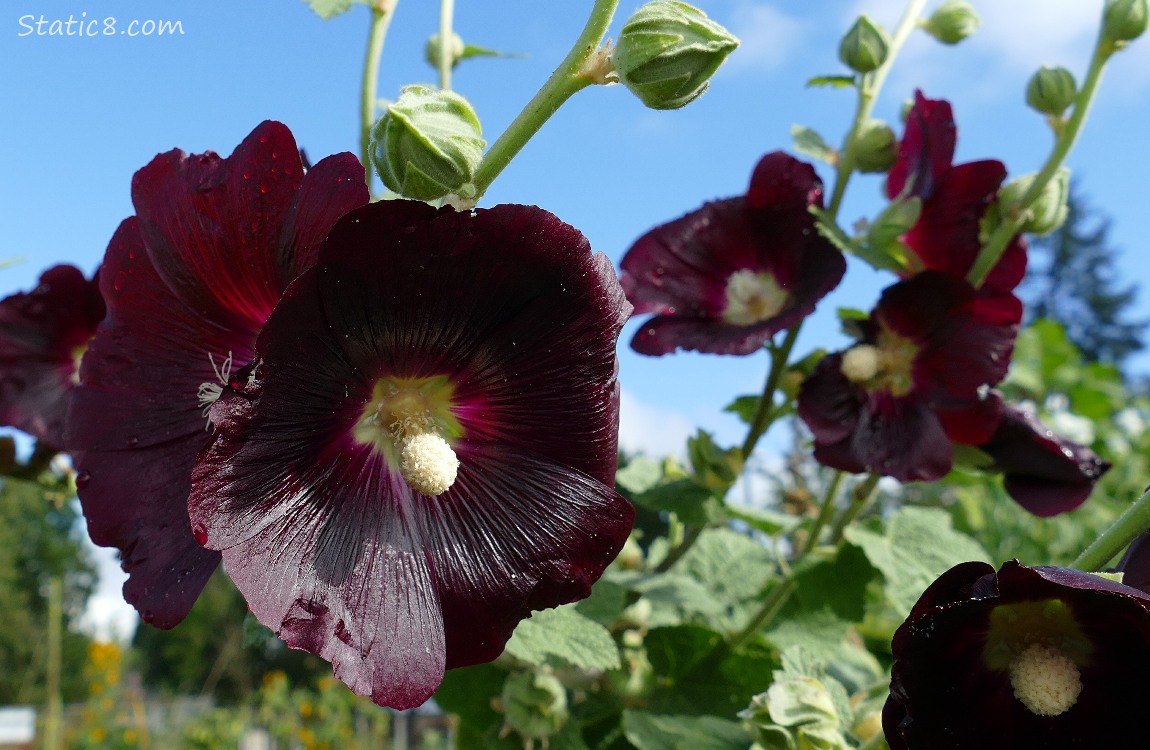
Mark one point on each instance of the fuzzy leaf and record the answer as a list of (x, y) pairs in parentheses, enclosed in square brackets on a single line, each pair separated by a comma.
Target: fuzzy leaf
[(809, 143), (327, 9), (651, 732), (565, 635)]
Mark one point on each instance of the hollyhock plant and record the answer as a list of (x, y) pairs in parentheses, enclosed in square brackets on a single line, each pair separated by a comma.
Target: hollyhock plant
[(1044, 472), (189, 280), (43, 334), (1021, 657), (955, 198), (918, 380), (726, 278), (425, 447)]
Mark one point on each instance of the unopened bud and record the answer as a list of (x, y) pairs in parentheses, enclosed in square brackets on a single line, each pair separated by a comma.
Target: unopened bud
[(1051, 90), (952, 22), (1124, 20), (876, 148), (1048, 211), (668, 51), (434, 49), (534, 704), (427, 144), (865, 46)]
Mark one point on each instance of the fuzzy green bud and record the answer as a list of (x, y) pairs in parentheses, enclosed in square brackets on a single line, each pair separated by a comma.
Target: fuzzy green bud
[(1051, 90), (534, 703), (952, 22), (876, 147), (1048, 211), (434, 48), (668, 51), (1124, 20), (427, 144), (865, 47)]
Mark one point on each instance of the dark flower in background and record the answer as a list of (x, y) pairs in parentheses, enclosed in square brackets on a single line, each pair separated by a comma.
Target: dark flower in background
[(954, 198), (424, 451), (43, 333), (726, 278), (919, 379), (189, 280), (1044, 472), (1039, 657)]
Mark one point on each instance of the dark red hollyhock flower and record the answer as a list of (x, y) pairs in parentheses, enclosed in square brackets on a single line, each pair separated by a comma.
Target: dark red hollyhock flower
[(954, 198), (726, 278), (43, 333), (189, 280), (425, 449), (919, 379), (1044, 472), (1039, 657)]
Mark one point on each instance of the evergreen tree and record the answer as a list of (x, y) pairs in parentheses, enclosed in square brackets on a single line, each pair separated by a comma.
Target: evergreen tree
[(1073, 279)]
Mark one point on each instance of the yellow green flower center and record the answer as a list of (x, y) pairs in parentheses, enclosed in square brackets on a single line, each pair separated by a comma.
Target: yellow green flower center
[(410, 422), (752, 298), (1042, 648), (884, 366)]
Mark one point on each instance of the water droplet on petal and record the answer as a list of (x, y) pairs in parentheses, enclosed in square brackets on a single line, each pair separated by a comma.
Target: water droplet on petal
[(83, 478), (200, 532), (133, 441)]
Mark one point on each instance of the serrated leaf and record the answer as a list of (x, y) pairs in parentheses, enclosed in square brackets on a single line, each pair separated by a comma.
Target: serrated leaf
[(639, 475), (835, 81), (919, 545), (654, 732), (607, 601), (564, 635), (327, 9), (733, 566), (808, 142)]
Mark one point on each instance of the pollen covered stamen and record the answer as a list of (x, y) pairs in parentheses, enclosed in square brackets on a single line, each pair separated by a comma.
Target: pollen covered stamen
[(208, 393), (1045, 680), (861, 363), (753, 297), (427, 462)]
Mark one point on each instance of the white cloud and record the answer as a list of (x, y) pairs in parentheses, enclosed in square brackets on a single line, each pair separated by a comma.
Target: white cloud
[(656, 432), (108, 617), (767, 36)]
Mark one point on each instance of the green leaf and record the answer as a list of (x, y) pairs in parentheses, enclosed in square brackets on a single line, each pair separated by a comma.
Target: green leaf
[(653, 732), (607, 601), (327, 9), (639, 475), (675, 598), (564, 635), (769, 522), (468, 692), (744, 407), (694, 504), (836, 81), (919, 545), (733, 567), (809, 143)]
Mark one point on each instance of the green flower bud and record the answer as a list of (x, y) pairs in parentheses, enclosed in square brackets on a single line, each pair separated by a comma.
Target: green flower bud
[(954, 21), (433, 48), (1048, 211), (876, 147), (668, 51), (427, 144), (1124, 20), (534, 703), (865, 46), (1051, 90)]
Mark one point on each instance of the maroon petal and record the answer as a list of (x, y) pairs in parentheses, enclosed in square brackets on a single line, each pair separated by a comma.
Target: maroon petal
[(971, 422), (41, 334), (1044, 472), (331, 546), (329, 190), (926, 150), (784, 188), (136, 428), (900, 438)]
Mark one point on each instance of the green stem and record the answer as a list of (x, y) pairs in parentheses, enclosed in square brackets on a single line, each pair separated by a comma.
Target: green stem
[(446, 58), (763, 414), (567, 79), (826, 511), (1067, 136), (861, 497), (771, 606), (869, 87), (680, 549), (1129, 525), (381, 14)]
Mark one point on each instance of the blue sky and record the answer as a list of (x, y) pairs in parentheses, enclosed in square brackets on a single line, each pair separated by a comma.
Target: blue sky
[(82, 114)]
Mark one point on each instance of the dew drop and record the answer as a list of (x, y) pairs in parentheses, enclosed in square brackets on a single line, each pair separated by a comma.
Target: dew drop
[(120, 282), (247, 175), (148, 615), (200, 532), (83, 478), (133, 441)]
